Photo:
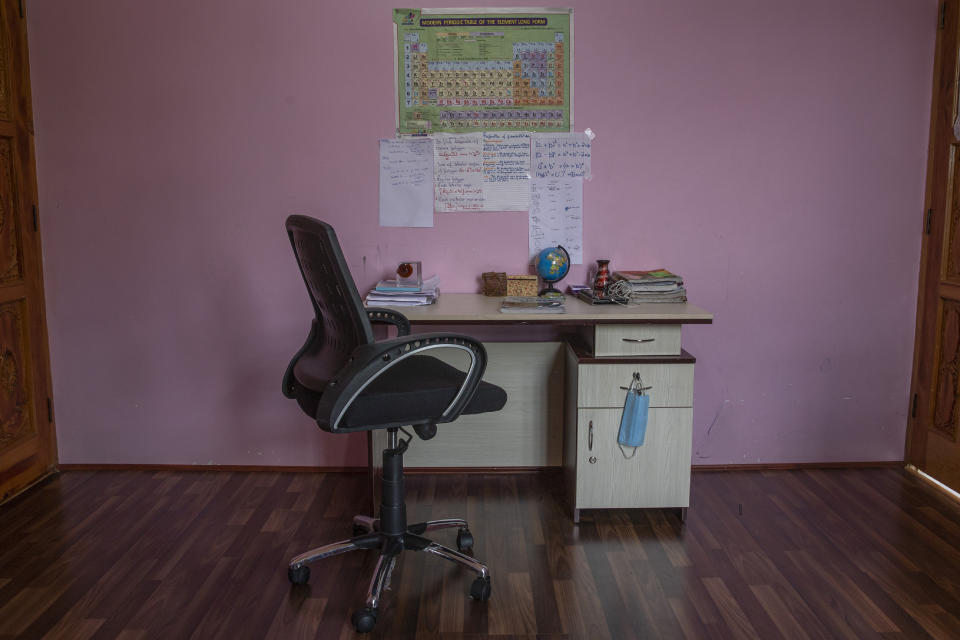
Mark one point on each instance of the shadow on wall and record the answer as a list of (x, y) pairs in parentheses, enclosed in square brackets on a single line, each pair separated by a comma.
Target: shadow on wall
[(266, 316)]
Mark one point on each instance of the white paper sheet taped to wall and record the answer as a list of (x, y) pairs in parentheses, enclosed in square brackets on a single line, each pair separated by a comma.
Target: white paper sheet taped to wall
[(556, 216), (506, 170), (406, 182), (484, 171), (560, 155), (458, 172)]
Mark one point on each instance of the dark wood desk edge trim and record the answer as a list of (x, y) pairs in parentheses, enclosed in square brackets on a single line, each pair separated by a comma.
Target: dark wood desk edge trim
[(558, 320), (683, 358), (582, 352)]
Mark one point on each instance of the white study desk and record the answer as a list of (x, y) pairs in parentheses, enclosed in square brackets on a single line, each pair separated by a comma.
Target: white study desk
[(562, 374)]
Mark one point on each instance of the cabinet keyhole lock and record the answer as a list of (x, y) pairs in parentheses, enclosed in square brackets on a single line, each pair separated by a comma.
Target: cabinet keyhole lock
[(593, 459)]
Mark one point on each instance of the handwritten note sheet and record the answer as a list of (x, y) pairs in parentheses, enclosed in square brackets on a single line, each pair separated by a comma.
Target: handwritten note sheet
[(484, 171), (506, 170), (458, 172), (406, 182), (560, 155), (556, 216)]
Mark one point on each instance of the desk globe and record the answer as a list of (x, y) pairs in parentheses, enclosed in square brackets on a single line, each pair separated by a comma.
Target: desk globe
[(552, 264)]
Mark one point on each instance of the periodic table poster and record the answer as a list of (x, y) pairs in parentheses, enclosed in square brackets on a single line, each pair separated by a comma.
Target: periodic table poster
[(496, 70)]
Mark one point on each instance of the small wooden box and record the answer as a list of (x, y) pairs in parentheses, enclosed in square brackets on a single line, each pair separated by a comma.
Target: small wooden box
[(494, 283), (521, 285)]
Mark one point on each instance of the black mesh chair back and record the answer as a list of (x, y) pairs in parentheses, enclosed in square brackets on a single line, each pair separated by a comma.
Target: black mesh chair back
[(341, 323)]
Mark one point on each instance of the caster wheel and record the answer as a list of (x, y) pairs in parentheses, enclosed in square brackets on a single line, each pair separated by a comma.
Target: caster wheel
[(364, 620), (464, 540), (298, 575), (480, 589)]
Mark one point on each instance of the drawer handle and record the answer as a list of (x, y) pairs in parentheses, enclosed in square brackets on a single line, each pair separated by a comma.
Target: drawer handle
[(590, 437), (638, 339)]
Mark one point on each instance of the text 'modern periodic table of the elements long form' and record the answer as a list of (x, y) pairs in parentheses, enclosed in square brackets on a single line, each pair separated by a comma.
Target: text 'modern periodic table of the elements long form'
[(498, 70)]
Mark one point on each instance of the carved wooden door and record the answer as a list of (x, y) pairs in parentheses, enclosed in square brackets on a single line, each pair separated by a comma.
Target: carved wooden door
[(933, 436), (27, 446)]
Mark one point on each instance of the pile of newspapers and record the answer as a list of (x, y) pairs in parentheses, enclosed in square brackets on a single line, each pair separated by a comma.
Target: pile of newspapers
[(389, 293), (656, 285)]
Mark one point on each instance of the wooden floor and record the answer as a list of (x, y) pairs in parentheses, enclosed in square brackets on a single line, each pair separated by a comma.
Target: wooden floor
[(791, 554)]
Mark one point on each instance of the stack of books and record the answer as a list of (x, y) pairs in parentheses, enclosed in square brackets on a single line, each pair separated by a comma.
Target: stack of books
[(532, 304), (656, 285), (390, 293)]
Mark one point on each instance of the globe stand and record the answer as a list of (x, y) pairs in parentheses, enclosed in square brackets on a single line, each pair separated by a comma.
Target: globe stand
[(551, 292)]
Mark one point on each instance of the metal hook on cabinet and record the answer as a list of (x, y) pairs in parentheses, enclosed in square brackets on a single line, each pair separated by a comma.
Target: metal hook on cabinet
[(637, 384)]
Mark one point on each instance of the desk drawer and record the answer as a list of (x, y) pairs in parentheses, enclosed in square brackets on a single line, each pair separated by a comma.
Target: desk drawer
[(658, 474), (636, 340), (599, 384)]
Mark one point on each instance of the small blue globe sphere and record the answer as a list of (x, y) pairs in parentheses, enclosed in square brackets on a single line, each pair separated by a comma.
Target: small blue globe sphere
[(552, 264)]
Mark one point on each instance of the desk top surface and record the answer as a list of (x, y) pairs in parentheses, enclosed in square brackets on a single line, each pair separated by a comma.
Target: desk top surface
[(475, 308)]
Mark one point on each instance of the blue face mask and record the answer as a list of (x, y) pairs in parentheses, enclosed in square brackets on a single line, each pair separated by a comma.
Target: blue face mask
[(633, 424)]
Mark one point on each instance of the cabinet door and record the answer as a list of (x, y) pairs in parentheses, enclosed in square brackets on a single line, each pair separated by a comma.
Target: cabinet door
[(658, 474)]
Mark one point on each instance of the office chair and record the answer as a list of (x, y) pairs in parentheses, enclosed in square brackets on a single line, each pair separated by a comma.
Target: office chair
[(346, 381)]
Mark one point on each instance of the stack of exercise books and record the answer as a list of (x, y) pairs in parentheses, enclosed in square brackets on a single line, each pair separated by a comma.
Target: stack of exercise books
[(656, 285), (390, 293), (532, 304)]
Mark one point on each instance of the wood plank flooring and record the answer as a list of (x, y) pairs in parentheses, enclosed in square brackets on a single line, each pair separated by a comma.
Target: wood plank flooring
[(868, 553)]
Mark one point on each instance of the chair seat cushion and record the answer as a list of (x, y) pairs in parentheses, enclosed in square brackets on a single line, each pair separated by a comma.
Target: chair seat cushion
[(415, 390)]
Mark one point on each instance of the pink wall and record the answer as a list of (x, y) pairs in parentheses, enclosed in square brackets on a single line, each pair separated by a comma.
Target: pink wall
[(771, 151)]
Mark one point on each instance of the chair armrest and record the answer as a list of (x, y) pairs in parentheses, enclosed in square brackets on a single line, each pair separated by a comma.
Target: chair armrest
[(369, 361), (389, 316), (289, 382)]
